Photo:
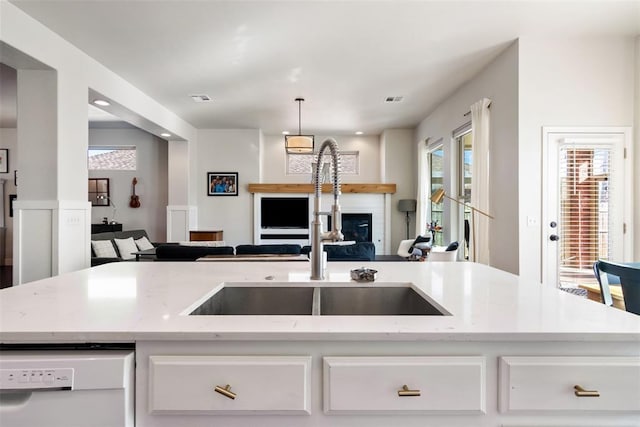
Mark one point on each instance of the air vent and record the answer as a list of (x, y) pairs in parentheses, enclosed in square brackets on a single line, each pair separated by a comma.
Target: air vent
[(393, 98), (201, 98)]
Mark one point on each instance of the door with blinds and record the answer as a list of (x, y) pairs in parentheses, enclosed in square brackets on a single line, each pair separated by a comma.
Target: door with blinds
[(584, 212)]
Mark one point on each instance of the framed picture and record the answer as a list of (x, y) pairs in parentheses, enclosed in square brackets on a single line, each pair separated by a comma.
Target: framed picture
[(12, 198), (222, 183), (4, 160)]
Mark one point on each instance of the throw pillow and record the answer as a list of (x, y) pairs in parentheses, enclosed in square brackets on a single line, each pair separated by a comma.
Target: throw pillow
[(419, 239), (126, 247), (103, 249), (453, 246), (143, 243)]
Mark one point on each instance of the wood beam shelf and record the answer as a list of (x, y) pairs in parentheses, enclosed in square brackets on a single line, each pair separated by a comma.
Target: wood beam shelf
[(326, 188)]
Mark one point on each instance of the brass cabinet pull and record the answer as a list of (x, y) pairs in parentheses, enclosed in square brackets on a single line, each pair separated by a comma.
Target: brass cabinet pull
[(406, 392), (225, 391), (580, 392)]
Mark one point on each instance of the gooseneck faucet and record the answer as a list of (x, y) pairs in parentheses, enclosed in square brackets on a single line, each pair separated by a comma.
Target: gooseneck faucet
[(317, 235)]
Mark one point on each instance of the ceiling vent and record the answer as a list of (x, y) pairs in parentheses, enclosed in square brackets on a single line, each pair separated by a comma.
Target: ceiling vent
[(201, 98), (393, 98)]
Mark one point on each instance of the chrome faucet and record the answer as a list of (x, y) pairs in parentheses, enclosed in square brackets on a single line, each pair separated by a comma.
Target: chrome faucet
[(317, 236)]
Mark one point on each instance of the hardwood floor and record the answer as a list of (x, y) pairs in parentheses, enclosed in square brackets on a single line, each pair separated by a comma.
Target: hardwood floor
[(6, 276)]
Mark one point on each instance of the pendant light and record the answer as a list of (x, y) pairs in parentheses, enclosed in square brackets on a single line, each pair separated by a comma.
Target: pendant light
[(297, 144)]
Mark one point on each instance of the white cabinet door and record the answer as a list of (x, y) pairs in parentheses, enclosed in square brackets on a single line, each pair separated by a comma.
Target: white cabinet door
[(256, 384), (548, 384), (372, 385)]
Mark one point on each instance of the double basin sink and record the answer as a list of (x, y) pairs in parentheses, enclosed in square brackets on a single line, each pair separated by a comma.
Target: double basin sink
[(347, 300)]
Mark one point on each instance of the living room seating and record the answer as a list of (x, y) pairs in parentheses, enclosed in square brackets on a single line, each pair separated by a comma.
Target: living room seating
[(359, 251), (413, 247), (284, 249), (170, 252), (444, 254), (420, 249), (118, 246)]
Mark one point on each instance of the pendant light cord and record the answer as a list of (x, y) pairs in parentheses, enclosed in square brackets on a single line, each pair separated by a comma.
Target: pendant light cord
[(299, 115)]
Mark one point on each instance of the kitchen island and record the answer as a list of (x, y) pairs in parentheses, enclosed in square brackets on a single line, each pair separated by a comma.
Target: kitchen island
[(506, 352)]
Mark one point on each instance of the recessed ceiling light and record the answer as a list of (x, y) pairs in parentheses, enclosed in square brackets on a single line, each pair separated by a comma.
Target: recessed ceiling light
[(285, 132), (165, 134), (201, 98), (101, 102), (359, 132)]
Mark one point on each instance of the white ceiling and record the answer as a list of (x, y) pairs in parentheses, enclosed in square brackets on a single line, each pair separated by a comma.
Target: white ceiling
[(344, 57)]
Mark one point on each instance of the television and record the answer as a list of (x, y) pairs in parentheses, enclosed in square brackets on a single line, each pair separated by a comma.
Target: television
[(284, 212)]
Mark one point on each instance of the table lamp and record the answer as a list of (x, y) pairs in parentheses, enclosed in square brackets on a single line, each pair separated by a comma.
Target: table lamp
[(108, 199)]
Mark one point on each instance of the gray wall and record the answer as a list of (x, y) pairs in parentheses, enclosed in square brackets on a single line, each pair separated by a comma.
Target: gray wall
[(228, 150), (498, 82), (399, 166), (151, 173)]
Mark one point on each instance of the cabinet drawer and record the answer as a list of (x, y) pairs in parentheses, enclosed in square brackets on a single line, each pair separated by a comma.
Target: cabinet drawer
[(262, 384), (547, 383), (371, 384)]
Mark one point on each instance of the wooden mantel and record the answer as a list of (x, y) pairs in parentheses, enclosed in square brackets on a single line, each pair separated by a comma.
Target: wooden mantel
[(326, 188)]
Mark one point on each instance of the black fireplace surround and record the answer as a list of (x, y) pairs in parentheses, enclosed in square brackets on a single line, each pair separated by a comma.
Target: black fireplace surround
[(356, 226)]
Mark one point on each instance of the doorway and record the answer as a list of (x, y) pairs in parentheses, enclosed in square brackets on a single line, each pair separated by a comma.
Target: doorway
[(585, 211)]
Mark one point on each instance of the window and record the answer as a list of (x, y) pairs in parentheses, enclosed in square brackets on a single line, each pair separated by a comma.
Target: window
[(464, 144), (112, 158), (584, 208), (99, 191), (435, 159), (301, 164)]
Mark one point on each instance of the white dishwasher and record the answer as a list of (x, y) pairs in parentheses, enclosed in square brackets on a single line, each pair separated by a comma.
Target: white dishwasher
[(81, 388)]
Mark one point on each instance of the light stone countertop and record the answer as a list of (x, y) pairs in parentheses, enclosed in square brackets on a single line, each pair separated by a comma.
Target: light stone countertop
[(135, 301)]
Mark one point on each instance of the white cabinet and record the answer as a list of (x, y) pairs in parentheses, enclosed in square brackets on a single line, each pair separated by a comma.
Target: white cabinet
[(354, 384), (454, 385), (549, 384), (246, 384)]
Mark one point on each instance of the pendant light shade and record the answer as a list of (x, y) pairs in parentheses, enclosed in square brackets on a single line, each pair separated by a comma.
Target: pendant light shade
[(297, 144)]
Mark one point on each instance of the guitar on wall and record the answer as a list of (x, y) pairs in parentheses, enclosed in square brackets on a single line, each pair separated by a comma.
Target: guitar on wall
[(135, 200)]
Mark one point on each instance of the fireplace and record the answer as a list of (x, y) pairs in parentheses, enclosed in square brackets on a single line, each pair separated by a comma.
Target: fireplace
[(356, 226)]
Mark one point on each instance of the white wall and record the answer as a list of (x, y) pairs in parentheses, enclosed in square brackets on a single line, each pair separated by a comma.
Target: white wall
[(565, 82), (498, 82), (398, 165), (151, 173), (9, 139), (228, 150), (274, 167)]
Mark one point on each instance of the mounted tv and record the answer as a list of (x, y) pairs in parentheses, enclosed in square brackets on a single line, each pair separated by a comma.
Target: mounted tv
[(284, 212)]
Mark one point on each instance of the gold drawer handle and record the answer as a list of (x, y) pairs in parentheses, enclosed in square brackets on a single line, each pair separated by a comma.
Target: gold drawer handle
[(580, 392), (406, 392), (225, 391)]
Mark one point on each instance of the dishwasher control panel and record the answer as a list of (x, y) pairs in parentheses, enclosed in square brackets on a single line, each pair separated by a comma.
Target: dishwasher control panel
[(31, 379)]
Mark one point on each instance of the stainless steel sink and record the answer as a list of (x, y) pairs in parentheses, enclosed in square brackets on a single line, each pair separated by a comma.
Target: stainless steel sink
[(258, 301), (349, 300), (376, 301)]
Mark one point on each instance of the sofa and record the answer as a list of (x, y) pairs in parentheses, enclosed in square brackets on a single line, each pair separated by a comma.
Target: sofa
[(283, 249), (96, 259), (360, 251), (169, 252)]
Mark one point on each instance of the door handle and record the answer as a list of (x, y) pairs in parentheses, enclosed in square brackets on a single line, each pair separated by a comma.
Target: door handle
[(554, 237)]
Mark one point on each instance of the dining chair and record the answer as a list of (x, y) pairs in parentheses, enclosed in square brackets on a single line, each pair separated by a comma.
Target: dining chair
[(603, 282), (629, 281)]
